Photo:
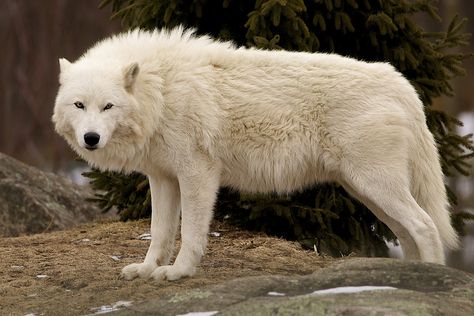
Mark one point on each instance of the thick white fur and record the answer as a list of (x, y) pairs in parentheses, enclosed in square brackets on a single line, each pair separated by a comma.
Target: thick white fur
[(194, 114)]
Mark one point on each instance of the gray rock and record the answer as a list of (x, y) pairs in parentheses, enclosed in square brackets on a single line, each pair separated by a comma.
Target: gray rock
[(421, 289), (32, 201)]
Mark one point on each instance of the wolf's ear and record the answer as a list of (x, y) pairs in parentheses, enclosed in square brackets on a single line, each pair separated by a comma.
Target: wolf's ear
[(130, 75), (64, 65)]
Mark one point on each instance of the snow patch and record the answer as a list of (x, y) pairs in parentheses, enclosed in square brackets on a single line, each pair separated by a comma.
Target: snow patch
[(104, 309), (116, 258), (199, 313), (275, 294), (145, 236), (352, 289)]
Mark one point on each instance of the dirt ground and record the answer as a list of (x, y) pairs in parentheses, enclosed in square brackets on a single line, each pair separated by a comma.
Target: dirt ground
[(76, 272)]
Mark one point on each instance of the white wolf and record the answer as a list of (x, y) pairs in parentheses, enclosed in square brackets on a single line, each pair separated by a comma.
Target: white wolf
[(194, 114)]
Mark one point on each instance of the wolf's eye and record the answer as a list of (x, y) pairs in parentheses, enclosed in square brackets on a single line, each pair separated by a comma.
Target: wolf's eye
[(79, 105), (108, 106)]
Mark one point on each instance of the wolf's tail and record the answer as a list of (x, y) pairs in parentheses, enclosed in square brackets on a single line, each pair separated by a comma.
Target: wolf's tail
[(427, 186)]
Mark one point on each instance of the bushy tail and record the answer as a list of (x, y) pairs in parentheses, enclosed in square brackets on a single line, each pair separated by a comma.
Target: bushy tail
[(428, 187)]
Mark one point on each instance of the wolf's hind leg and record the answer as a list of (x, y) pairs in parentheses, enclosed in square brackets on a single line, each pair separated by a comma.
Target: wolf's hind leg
[(386, 193), (164, 223)]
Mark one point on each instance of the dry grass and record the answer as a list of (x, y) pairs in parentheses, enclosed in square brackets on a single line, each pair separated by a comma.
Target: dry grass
[(81, 273)]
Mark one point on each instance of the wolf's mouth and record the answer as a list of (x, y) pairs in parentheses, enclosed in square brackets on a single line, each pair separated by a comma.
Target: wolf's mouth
[(91, 148)]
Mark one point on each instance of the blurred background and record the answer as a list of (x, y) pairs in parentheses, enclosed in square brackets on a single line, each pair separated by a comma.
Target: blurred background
[(36, 33)]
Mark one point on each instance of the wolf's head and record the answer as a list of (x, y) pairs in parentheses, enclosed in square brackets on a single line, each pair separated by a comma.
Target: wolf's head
[(97, 111)]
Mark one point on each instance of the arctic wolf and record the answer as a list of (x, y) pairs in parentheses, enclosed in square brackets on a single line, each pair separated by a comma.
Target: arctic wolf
[(194, 114)]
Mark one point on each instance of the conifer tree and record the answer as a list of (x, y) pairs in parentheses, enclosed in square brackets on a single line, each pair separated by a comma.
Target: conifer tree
[(372, 30)]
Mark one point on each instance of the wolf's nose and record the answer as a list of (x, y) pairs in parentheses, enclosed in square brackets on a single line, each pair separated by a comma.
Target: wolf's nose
[(91, 138)]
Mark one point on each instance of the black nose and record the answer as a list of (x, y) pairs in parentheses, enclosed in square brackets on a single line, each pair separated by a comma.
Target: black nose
[(91, 138)]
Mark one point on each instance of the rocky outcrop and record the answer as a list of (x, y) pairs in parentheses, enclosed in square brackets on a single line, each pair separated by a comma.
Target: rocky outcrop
[(32, 201), (360, 286)]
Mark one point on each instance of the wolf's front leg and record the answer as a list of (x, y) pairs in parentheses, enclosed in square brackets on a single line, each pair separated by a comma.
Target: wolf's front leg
[(165, 199), (198, 194)]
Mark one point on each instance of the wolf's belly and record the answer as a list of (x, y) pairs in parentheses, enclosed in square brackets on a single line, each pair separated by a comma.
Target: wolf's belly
[(277, 170)]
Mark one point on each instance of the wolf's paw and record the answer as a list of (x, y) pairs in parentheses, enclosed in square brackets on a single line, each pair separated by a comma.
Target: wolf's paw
[(142, 270), (172, 273)]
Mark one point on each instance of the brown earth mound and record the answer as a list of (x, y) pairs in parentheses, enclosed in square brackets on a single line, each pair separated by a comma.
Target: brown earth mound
[(76, 272)]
